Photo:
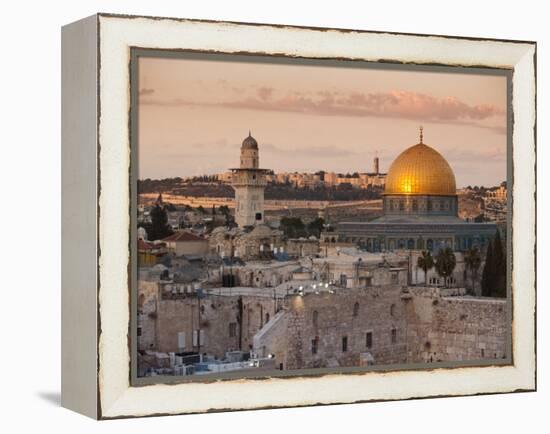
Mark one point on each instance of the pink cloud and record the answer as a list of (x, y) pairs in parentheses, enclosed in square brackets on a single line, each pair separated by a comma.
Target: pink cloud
[(265, 93), (402, 104), (394, 104)]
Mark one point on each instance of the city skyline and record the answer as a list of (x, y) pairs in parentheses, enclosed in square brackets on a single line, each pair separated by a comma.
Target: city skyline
[(195, 113)]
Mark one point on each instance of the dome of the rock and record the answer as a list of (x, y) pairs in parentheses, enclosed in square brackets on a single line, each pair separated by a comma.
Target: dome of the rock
[(420, 170)]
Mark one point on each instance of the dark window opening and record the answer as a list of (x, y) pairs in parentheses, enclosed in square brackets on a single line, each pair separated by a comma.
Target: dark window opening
[(314, 345), (232, 329), (369, 340), (258, 216), (393, 336), (356, 309), (344, 344)]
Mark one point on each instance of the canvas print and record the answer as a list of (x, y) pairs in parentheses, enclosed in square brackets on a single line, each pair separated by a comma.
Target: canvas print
[(299, 217)]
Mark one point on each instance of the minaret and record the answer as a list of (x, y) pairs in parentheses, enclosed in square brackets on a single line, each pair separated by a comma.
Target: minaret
[(249, 183), (376, 165)]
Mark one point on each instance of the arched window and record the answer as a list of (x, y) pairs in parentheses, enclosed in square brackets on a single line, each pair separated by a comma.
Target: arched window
[(315, 318), (266, 318), (392, 310), (356, 309)]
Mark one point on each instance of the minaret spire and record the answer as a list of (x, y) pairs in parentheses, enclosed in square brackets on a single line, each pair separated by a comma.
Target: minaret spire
[(421, 134)]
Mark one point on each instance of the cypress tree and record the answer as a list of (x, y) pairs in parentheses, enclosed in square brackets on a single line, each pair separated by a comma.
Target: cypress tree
[(499, 258), (487, 277), (159, 224)]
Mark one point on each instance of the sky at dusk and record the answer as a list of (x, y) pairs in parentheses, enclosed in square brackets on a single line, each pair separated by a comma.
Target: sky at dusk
[(194, 114)]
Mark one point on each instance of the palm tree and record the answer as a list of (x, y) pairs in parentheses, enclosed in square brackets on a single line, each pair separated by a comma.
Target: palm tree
[(472, 259), (425, 262), (445, 263)]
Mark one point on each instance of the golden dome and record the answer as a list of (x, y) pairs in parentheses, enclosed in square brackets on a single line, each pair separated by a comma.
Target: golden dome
[(420, 170)]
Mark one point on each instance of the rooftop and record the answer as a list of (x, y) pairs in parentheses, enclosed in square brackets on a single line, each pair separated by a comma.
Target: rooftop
[(182, 236)]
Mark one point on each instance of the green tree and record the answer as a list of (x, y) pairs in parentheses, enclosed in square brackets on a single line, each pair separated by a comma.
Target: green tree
[(488, 274), (472, 259), (425, 262), (293, 227), (499, 258), (159, 227), (315, 227), (224, 210), (445, 263), (493, 280)]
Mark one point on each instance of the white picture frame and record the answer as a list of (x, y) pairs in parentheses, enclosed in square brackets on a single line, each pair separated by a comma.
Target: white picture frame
[(96, 355)]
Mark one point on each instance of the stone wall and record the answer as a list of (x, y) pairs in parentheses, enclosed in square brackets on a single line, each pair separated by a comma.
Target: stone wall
[(147, 308), (272, 339), (226, 323), (443, 328), (419, 325), (404, 324), (346, 315)]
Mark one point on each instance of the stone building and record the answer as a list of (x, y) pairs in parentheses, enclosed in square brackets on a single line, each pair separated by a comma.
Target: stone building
[(186, 243), (185, 318), (245, 243), (259, 242), (302, 247), (249, 183)]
